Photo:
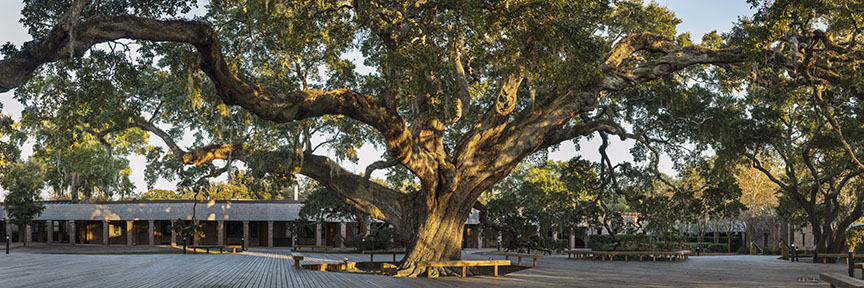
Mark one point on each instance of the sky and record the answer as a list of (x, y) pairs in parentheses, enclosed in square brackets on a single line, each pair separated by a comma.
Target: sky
[(698, 17)]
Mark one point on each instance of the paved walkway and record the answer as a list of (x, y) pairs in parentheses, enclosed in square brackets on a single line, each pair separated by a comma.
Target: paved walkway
[(273, 268)]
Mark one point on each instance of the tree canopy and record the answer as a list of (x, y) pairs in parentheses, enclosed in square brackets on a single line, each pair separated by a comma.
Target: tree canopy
[(459, 94)]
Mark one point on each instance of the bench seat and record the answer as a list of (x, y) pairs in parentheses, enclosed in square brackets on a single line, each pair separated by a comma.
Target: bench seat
[(463, 264), (839, 280)]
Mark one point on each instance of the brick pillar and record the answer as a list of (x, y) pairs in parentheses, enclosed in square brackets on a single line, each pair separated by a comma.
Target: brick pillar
[(130, 232), (173, 234), (269, 233), (28, 234), (220, 230), (106, 226), (318, 234), (150, 231), (342, 232), (49, 231), (572, 242), (71, 231), (246, 234)]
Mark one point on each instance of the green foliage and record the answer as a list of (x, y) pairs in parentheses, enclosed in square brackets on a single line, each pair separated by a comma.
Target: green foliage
[(854, 237), (188, 229), (23, 181), (537, 200), (633, 242)]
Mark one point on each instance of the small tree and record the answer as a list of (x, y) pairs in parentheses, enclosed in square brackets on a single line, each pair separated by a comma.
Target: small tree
[(23, 180)]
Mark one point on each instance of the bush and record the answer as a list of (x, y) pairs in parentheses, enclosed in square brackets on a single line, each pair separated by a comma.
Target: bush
[(383, 239)]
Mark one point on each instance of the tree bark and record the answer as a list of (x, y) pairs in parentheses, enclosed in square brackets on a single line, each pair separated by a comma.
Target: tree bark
[(438, 236)]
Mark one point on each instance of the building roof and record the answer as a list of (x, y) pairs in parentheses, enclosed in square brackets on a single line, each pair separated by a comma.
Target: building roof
[(233, 210)]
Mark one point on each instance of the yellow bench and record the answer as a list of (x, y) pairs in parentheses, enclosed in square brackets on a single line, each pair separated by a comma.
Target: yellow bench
[(463, 264), (507, 256)]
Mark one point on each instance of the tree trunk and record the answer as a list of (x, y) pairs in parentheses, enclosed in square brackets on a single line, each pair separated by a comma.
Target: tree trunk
[(438, 237)]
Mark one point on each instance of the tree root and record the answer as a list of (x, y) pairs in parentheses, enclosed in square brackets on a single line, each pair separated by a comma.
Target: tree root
[(411, 270)]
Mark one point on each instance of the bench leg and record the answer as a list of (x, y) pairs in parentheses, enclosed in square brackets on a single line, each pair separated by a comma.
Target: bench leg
[(640, 258), (394, 257), (655, 258), (371, 257), (520, 260), (496, 271), (428, 272), (535, 262), (625, 258), (463, 271)]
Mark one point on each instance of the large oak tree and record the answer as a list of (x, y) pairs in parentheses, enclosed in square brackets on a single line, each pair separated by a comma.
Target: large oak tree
[(461, 93)]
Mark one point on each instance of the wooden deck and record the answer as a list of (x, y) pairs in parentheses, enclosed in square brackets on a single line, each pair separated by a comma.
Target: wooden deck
[(274, 268)]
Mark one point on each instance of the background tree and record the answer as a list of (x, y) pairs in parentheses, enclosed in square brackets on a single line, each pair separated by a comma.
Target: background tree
[(23, 181), (538, 200), (800, 109)]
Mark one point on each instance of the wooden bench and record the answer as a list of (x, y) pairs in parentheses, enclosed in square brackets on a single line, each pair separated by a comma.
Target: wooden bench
[(825, 256), (463, 264), (577, 253), (221, 248), (838, 280), (671, 255), (507, 256), (297, 257), (373, 253), (312, 247)]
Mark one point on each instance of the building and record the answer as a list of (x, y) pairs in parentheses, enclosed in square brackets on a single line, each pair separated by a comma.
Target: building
[(257, 223), (263, 223)]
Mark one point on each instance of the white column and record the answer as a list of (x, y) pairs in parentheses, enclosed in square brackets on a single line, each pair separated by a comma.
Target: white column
[(220, 229), (342, 232), (71, 232), (105, 228), (129, 232), (269, 233), (318, 234), (49, 231), (479, 238), (246, 234), (572, 242), (151, 231), (28, 234)]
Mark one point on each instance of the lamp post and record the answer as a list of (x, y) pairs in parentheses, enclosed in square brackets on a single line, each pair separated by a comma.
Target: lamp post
[(792, 257)]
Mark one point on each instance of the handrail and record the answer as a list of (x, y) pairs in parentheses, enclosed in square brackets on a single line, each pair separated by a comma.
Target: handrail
[(753, 248)]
